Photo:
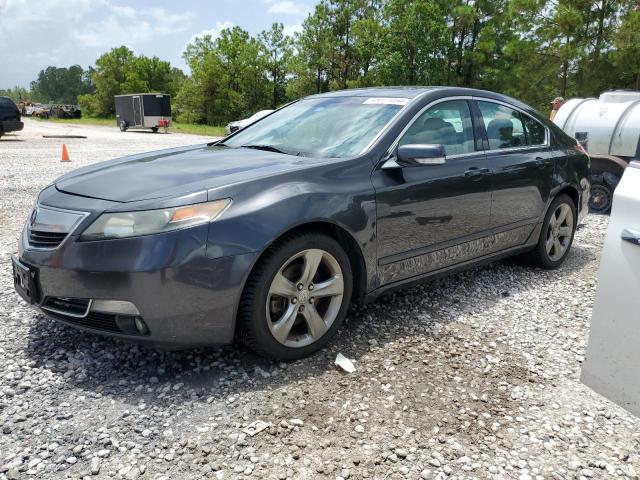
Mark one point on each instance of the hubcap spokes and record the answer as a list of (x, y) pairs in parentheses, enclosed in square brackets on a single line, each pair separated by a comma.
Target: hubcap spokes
[(304, 298), (559, 232)]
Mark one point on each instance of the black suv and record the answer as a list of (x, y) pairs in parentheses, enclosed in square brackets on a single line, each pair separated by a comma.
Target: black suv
[(9, 116)]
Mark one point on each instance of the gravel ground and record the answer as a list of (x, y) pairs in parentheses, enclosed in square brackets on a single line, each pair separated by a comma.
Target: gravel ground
[(471, 376)]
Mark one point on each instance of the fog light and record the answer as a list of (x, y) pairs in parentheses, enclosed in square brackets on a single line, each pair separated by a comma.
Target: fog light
[(140, 326), (118, 307)]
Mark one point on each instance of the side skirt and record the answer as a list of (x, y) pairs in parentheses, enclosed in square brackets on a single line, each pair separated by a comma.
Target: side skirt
[(449, 270)]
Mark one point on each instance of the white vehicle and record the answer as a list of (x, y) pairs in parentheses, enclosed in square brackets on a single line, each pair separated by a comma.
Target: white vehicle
[(608, 127), (612, 361), (240, 124)]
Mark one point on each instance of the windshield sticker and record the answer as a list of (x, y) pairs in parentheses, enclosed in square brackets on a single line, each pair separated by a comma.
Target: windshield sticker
[(386, 101)]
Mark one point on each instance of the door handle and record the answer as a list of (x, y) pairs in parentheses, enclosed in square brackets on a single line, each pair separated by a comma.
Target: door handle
[(540, 162), (476, 173), (631, 236)]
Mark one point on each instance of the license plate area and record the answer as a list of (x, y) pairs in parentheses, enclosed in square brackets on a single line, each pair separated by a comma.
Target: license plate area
[(25, 281)]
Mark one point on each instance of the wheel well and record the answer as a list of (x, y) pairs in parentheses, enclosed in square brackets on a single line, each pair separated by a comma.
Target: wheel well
[(344, 238), (573, 193), (610, 164)]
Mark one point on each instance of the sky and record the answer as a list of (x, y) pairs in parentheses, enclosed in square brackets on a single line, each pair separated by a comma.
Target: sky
[(35, 34)]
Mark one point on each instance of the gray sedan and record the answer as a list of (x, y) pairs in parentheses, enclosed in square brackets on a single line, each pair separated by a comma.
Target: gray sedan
[(270, 234)]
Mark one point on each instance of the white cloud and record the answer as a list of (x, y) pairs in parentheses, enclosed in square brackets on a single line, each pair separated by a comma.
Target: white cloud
[(291, 30), (286, 7), (123, 11), (130, 26), (66, 32), (214, 32)]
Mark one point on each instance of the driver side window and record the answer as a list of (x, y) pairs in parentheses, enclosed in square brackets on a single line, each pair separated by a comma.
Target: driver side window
[(447, 124)]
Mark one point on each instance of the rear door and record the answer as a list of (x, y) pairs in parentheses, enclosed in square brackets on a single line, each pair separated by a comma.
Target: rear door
[(137, 111), (432, 216), (518, 152)]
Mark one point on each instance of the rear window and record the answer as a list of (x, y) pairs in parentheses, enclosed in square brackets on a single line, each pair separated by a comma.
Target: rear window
[(504, 126)]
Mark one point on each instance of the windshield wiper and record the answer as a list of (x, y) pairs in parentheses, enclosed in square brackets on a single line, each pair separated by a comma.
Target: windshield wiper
[(218, 143), (266, 148)]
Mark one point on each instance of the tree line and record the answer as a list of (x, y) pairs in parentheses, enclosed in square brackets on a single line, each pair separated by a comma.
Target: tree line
[(531, 49)]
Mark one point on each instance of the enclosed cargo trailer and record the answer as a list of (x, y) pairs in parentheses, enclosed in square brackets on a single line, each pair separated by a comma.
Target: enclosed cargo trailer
[(143, 110)]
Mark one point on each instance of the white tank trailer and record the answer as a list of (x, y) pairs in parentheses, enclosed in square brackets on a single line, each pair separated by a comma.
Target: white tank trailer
[(608, 128)]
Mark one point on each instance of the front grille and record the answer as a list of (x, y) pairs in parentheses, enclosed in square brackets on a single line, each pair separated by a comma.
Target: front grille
[(94, 320), (38, 238)]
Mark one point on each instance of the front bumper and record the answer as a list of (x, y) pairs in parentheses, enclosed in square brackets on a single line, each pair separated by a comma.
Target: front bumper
[(185, 298), (7, 126)]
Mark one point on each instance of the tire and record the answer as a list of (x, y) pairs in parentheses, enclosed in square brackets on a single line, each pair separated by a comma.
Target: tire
[(602, 188), (286, 327), (154, 129), (552, 258), (123, 126)]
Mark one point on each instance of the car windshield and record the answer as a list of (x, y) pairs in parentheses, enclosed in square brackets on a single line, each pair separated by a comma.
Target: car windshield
[(336, 127)]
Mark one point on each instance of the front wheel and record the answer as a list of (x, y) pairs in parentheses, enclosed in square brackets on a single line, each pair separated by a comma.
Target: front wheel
[(154, 129), (296, 298), (556, 236)]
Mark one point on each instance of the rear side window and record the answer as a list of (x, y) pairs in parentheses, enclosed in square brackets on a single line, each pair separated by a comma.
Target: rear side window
[(534, 130), (448, 124), (504, 126)]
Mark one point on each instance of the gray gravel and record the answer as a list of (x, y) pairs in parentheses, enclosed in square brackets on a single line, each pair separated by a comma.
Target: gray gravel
[(472, 376)]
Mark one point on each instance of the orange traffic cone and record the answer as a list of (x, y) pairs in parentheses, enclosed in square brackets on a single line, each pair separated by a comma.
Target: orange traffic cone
[(65, 154)]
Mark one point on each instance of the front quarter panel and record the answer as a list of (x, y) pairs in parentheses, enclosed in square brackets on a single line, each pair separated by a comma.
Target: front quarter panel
[(338, 192)]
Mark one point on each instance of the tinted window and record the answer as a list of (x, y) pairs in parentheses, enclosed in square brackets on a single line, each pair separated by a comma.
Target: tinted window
[(447, 124), (534, 130), (504, 126)]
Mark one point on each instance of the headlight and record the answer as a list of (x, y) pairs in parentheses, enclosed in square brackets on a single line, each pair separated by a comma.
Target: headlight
[(146, 222)]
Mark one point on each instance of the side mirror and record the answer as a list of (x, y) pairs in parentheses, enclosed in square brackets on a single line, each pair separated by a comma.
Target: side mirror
[(419, 155)]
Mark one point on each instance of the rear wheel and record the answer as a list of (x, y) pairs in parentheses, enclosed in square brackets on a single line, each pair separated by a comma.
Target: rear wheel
[(556, 236), (123, 126), (154, 129), (296, 298)]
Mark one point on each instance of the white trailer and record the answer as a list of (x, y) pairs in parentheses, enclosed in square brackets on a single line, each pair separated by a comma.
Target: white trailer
[(608, 127)]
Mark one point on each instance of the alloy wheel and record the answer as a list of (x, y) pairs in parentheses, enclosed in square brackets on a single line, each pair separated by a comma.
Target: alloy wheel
[(304, 298), (559, 232)]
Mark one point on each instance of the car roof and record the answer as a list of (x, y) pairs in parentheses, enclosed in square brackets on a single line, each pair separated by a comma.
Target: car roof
[(402, 92), (412, 92)]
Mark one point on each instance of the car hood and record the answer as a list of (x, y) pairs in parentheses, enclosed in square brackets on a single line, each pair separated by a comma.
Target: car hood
[(168, 173)]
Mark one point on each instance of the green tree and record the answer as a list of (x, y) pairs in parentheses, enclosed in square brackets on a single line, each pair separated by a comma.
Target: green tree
[(228, 78), (278, 51), (61, 85), (626, 55), (17, 94), (120, 71)]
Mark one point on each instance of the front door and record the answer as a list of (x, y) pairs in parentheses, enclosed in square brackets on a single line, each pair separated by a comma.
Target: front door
[(137, 111), (522, 165), (432, 216)]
